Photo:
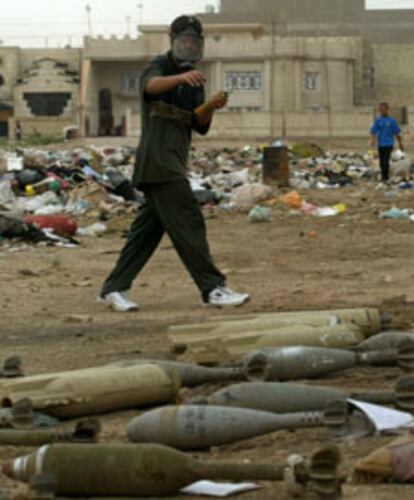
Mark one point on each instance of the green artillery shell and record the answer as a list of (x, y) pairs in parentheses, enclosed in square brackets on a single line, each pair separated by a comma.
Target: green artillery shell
[(387, 340), (276, 397), (191, 375), (93, 391), (292, 363), (122, 470), (196, 427)]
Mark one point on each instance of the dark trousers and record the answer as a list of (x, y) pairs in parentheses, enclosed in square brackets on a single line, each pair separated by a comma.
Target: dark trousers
[(385, 157), (170, 208)]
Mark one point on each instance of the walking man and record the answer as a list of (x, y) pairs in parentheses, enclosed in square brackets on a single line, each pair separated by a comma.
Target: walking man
[(171, 90), (383, 132)]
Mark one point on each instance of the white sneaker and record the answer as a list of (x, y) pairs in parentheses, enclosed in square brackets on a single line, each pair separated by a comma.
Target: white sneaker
[(119, 302), (223, 296)]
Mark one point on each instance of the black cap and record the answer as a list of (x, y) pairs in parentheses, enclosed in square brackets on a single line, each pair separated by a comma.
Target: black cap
[(184, 22)]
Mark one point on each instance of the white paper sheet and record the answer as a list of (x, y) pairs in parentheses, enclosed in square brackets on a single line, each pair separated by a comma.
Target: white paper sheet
[(220, 490), (384, 419)]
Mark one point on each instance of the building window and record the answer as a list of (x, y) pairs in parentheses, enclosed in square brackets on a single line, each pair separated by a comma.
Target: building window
[(129, 83), (312, 82), (247, 109), (2, 82), (244, 80), (47, 103)]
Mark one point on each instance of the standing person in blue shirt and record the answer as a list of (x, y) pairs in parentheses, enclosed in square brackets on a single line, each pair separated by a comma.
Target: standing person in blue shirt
[(384, 131)]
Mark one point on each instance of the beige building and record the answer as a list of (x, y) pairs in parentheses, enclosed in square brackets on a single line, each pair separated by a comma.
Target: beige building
[(294, 68), (39, 90), (280, 86)]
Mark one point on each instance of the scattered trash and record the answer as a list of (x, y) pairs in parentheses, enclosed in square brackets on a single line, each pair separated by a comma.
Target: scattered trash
[(12, 228), (85, 181), (396, 213), (330, 211), (245, 197), (260, 214), (95, 230), (220, 490), (307, 150), (391, 463), (60, 224), (292, 200), (384, 420)]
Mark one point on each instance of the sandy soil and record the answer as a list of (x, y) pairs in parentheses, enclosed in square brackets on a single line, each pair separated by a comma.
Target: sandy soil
[(355, 260)]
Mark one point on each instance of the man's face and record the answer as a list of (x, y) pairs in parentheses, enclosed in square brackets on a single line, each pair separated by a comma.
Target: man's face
[(384, 110), (188, 48), (190, 43)]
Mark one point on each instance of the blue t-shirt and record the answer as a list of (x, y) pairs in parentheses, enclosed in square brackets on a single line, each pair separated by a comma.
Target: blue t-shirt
[(385, 128)]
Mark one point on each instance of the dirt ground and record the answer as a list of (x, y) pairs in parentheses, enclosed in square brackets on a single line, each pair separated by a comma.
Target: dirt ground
[(355, 260)]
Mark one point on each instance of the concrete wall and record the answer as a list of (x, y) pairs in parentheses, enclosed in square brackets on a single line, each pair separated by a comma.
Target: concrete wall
[(334, 61), (394, 73), (47, 126), (316, 11), (9, 70), (249, 126), (288, 10), (320, 18), (155, 41)]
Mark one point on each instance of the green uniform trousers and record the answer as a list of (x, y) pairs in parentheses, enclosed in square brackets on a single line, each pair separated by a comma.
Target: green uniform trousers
[(170, 208)]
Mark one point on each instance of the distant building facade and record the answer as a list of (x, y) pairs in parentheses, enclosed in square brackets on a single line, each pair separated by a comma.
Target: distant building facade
[(39, 90), (280, 85), (295, 68)]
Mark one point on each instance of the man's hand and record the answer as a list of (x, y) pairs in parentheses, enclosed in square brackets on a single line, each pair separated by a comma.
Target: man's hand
[(220, 100), (194, 78)]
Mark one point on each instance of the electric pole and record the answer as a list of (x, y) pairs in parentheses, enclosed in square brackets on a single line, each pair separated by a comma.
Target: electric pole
[(141, 13), (128, 23), (89, 16)]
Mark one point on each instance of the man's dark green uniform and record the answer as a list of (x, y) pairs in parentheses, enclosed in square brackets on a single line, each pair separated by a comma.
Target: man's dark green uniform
[(161, 173)]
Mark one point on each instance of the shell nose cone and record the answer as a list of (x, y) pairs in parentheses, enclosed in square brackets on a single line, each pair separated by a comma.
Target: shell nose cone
[(148, 428)]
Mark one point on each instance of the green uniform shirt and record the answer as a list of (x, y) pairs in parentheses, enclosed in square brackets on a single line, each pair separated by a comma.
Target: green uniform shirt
[(165, 142)]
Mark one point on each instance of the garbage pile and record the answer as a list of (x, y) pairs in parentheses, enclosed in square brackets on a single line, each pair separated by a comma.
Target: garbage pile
[(311, 168), (44, 193), (257, 357), (66, 193)]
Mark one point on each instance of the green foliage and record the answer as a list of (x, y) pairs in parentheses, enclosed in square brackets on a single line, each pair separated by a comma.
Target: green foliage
[(38, 139), (307, 150)]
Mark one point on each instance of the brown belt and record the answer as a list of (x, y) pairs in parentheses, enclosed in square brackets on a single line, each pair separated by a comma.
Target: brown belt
[(167, 111)]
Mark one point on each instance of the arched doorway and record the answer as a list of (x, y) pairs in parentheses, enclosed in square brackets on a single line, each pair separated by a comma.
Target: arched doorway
[(106, 118), (6, 112)]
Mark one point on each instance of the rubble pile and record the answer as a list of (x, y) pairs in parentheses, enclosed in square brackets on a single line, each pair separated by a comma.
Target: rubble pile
[(49, 191)]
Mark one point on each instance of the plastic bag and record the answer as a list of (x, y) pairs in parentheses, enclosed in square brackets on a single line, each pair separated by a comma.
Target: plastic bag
[(260, 214)]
